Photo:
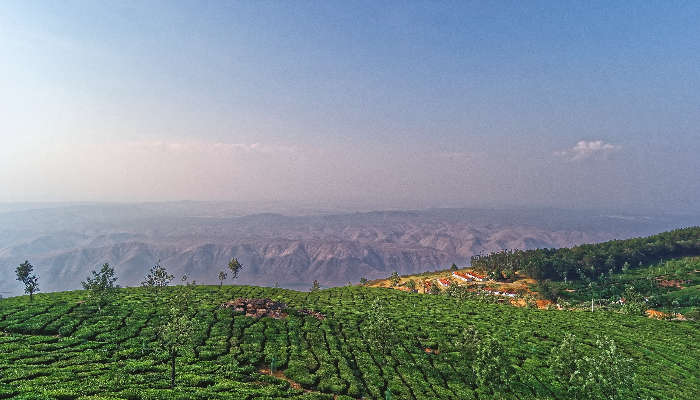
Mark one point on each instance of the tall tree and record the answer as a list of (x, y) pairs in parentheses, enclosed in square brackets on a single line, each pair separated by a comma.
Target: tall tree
[(395, 278), (315, 286), (176, 332), (101, 285), (380, 335), (30, 281), (235, 267), (222, 278)]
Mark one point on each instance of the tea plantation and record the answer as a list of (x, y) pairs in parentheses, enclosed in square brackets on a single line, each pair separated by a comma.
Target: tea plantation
[(61, 347)]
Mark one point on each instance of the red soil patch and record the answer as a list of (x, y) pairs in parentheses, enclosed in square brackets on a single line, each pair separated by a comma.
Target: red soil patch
[(655, 314), (280, 375), (543, 304), (671, 283), (295, 385)]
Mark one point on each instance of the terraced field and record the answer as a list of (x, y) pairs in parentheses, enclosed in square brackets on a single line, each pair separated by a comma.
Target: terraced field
[(59, 347)]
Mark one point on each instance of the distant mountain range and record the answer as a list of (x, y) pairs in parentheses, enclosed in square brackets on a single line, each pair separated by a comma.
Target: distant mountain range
[(65, 242)]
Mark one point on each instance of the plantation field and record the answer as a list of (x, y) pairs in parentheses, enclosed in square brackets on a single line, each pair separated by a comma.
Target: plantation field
[(671, 285), (60, 347)]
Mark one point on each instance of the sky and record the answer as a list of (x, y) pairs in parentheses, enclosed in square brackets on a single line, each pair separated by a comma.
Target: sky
[(374, 104)]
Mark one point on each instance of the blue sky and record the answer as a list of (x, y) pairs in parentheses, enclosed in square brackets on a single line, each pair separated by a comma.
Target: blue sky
[(384, 104)]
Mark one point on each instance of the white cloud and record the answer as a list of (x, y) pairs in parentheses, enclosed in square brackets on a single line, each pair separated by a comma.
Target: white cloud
[(584, 150)]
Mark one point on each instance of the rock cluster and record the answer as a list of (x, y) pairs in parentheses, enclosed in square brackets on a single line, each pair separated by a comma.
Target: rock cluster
[(258, 307), (313, 313)]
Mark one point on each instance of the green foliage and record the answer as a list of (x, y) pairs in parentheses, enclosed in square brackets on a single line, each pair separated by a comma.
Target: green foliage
[(435, 288), (604, 373), (395, 279), (491, 366), (625, 266), (411, 285), (589, 261), (509, 274), (669, 286), (235, 267), (693, 314), (176, 331), (222, 277), (633, 302), (379, 329), (157, 278), (453, 267), (30, 281), (363, 281), (101, 286), (315, 286), (547, 290)]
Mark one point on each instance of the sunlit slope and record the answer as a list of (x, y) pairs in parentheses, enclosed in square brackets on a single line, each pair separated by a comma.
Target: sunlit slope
[(59, 347)]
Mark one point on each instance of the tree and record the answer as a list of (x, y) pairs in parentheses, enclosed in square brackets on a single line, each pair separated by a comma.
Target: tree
[(604, 373), (30, 281), (379, 331), (492, 367), (157, 278), (222, 278), (509, 274), (395, 279), (547, 290), (466, 344), (625, 266), (634, 302), (315, 287), (176, 332), (363, 281), (453, 267), (411, 285), (235, 267), (101, 286), (434, 288)]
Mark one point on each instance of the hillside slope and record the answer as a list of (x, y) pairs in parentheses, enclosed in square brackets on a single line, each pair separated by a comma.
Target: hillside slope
[(60, 348)]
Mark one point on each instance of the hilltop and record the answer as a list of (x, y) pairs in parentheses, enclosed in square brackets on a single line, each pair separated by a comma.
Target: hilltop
[(658, 273)]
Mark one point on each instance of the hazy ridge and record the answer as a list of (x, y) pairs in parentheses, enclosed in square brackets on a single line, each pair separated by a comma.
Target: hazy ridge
[(65, 242)]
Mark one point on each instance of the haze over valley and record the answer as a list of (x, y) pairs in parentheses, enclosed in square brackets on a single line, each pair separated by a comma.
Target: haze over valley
[(65, 242)]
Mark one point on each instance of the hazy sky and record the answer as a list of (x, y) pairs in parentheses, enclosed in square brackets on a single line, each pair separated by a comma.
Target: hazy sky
[(405, 104)]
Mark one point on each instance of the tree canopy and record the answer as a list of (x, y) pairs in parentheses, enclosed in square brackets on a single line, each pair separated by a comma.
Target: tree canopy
[(101, 285), (25, 275), (587, 262)]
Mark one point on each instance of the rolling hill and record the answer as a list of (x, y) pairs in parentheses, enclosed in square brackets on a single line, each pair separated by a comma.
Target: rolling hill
[(66, 241)]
